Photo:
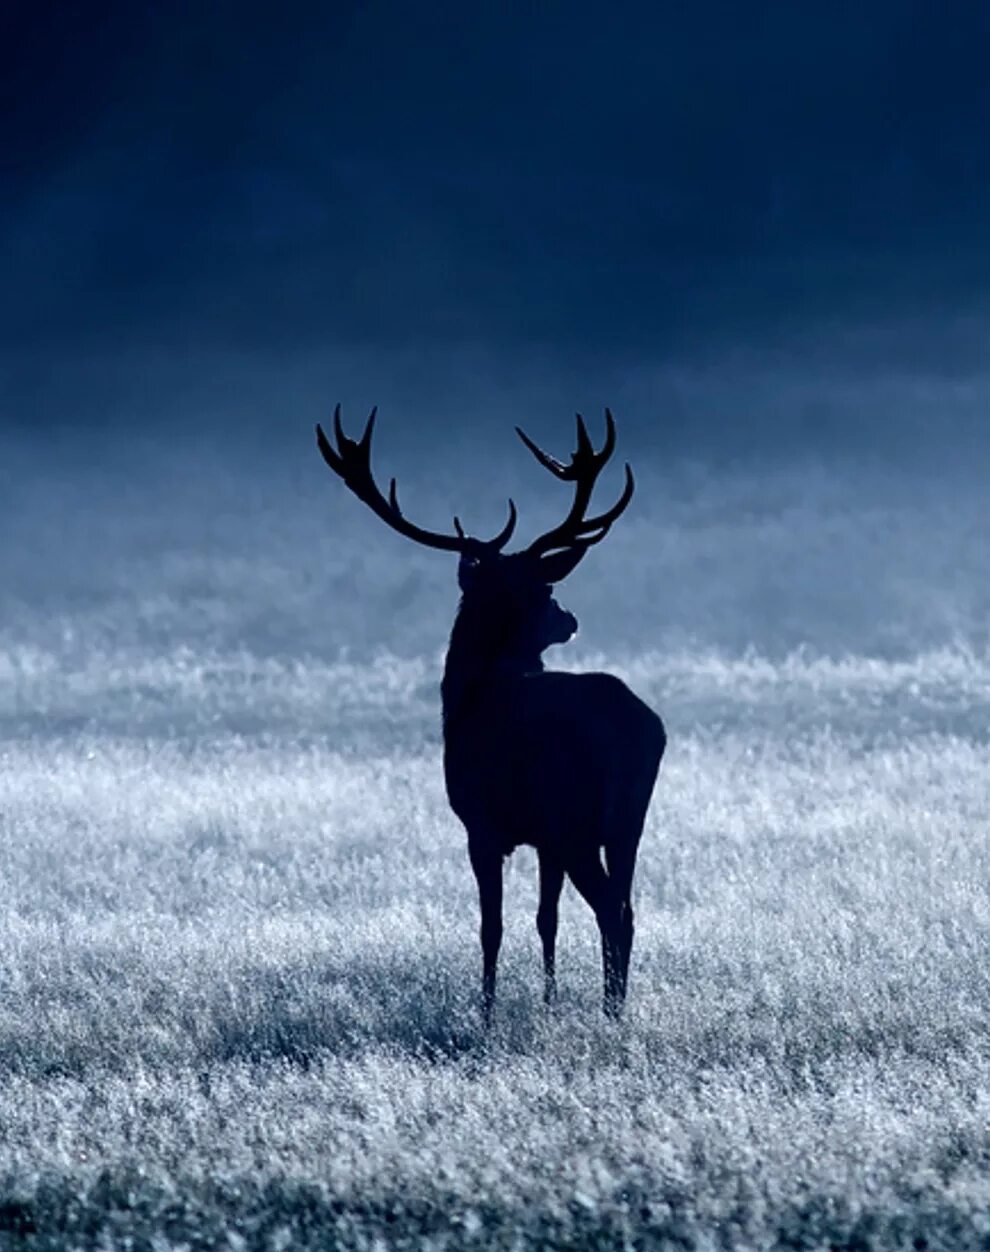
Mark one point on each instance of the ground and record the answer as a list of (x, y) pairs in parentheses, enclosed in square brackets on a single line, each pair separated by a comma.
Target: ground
[(240, 957)]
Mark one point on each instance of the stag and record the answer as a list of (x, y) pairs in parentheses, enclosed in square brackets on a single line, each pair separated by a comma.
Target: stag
[(563, 762)]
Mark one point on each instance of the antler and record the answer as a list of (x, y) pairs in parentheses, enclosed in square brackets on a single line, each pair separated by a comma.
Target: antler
[(576, 530), (351, 461)]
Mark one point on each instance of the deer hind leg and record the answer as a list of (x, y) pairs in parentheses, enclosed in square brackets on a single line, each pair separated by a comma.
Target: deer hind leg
[(551, 883), (621, 862), (588, 876), (486, 862)]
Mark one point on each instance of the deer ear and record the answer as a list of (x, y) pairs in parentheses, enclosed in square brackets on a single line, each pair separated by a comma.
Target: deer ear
[(467, 569), (555, 567)]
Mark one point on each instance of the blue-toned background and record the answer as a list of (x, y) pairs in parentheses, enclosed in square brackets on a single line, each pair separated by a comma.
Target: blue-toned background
[(238, 948)]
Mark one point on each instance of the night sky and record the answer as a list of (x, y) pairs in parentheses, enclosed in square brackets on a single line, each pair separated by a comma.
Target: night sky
[(596, 190)]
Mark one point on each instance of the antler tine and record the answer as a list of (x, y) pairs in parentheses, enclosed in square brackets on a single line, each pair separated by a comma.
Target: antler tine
[(585, 466), (351, 461), (609, 446), (505, 534), (585, 448), (603, 521), (591, 530), (326, 448), (583, 459), (364, 443), (545, 459)]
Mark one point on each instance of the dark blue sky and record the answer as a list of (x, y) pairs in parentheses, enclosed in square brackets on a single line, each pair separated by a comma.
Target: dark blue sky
[(652, 183)]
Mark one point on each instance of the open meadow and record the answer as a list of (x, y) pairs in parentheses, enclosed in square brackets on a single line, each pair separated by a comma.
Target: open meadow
[(240, 963)]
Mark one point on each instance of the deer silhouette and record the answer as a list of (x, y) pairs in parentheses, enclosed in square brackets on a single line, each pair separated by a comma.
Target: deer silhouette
[(563, 762)]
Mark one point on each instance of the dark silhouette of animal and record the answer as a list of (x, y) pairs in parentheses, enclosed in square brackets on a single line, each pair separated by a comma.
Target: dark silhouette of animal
[(564, 762)]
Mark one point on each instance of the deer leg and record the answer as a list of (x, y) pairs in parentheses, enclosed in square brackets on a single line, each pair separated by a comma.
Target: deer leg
[(621, 865), (551, 882), (487, 866), (593, 883)]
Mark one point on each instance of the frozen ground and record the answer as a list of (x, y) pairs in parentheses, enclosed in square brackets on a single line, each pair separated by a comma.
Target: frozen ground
[(237, 994)]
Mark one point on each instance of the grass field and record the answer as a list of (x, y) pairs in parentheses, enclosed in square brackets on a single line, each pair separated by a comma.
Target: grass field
[(240, 957)]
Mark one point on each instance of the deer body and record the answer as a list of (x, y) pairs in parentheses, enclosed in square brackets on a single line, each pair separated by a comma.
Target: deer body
[(563, 762), (551, 759)]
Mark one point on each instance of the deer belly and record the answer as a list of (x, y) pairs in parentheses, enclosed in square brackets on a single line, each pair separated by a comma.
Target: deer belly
[(527, 791)]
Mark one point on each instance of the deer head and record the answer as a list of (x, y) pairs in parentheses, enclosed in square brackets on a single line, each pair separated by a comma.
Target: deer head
[(507, 596)]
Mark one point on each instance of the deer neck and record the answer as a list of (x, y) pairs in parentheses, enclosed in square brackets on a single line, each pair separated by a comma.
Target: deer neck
[(481, 658)]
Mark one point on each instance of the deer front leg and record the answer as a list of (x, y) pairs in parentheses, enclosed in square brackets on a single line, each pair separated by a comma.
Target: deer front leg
[(551, 882), (487, 865)]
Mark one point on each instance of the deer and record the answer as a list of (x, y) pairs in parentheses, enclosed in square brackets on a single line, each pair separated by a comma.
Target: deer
[(563, 762)]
